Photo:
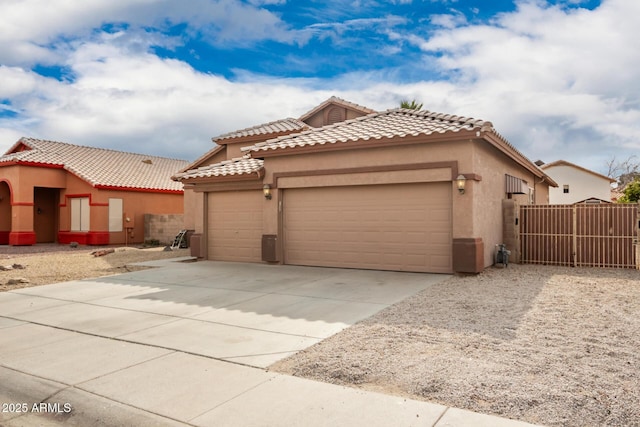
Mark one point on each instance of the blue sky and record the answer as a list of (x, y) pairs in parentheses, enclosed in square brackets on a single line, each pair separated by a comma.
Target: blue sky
[(559, 79)]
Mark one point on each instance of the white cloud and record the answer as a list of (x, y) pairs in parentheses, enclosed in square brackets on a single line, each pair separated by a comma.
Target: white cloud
[(37, 31), (569, 71)]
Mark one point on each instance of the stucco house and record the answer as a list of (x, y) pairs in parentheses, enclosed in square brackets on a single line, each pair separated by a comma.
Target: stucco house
[(57, 192), (347, 186), (577, 184)]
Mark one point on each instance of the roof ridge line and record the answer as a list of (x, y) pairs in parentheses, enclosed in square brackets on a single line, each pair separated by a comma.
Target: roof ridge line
[(94, 148)]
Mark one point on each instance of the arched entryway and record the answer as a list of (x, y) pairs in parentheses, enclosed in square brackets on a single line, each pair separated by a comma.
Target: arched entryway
[(5, 212)]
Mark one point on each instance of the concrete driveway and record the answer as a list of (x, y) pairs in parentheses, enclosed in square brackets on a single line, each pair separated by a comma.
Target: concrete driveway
[(180, 344)]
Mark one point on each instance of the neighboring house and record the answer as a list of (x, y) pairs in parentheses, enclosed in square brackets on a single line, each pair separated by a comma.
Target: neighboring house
[(345, 186), (56, 192), (577, 184)]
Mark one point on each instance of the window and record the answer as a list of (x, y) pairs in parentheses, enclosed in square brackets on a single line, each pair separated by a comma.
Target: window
[(80, 214), (115, 215), (565, 189)]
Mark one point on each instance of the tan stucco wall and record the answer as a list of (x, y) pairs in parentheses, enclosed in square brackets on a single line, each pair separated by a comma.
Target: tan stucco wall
[(487, 194)]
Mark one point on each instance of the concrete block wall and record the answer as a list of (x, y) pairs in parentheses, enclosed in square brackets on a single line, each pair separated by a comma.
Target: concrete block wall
[(163, 228)]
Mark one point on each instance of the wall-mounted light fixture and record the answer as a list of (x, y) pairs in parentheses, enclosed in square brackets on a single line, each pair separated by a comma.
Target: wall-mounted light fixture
[(461, 181), (266, 190)]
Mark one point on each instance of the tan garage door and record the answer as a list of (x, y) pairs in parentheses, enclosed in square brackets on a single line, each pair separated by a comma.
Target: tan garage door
[(235, 226), (402, 227)]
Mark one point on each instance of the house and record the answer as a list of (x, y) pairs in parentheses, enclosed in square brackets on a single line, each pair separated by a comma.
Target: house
[(577, 184), (347, 186), (57, 192)]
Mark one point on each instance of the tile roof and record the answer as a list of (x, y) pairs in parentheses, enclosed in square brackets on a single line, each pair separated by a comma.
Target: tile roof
[(234, 167), (215, 150), (398, 122), (338, 101), (99, 167), (278, 126)]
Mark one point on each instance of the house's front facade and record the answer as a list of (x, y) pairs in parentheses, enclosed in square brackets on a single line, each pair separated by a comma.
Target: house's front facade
[(349, 187), (56, 192), (577, 184)]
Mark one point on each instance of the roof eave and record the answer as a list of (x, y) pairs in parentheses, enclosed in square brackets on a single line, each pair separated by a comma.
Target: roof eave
[(258, 174), (503, 145)]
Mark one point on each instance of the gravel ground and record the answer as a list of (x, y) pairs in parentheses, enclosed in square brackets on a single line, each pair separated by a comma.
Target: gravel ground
[(547, 345), (45, 264)]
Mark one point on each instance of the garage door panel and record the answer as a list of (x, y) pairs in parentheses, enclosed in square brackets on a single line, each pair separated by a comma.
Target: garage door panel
[(235, 226), (404, 227)]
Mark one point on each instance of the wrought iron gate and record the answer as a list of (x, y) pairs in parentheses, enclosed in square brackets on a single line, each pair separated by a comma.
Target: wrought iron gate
[(604, 235)]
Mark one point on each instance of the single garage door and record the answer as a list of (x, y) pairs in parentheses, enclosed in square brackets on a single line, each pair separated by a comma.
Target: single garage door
[(235, 226), (401, 227)]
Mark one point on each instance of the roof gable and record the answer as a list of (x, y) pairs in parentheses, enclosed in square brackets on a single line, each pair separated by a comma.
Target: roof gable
[(574, 166), (334, 101), (388, 124), (99, 167), (240, 167)]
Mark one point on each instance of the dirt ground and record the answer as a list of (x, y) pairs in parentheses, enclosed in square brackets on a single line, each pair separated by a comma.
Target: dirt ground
[(547, 345), (45, 264)]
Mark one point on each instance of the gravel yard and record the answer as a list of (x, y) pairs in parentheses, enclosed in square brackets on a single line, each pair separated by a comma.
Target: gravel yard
[(45, 264), (548, 345)]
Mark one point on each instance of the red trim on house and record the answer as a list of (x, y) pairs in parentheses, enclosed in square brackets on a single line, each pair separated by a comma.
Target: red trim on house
[(34, 164), (22, 204), (4, 237), (140, 190), (77, 196), (22, 238), (84, 237)]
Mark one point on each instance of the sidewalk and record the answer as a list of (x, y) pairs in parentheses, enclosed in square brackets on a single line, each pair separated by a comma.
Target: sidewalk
[(107, 382)]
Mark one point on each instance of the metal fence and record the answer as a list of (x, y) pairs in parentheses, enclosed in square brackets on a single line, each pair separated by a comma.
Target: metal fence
[(579, 235)]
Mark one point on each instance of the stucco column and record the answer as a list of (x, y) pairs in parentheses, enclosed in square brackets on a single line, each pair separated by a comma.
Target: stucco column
[(22, 233), (467, 250), (271, 235)]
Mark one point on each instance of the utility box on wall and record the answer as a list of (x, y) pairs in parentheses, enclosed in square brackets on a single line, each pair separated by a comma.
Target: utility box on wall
[(270, 248)]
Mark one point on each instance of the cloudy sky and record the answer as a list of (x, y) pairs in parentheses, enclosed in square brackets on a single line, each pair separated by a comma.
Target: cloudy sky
[(559, 79)]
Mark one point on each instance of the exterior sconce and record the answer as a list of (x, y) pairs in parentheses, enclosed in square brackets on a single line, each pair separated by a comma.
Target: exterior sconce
[(266, 190), (461, 181)]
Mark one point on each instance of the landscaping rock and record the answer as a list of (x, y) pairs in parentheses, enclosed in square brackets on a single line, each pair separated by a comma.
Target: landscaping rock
[(102, 252), (17, 281)]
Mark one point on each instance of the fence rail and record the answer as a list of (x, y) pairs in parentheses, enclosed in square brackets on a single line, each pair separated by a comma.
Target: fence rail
[(579, 235)]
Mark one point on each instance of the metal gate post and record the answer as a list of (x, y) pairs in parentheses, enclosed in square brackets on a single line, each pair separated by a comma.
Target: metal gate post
[(574, 237), (636, 243)]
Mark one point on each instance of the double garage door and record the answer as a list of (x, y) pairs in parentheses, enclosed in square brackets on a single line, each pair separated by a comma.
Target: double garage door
[(401, 227)]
